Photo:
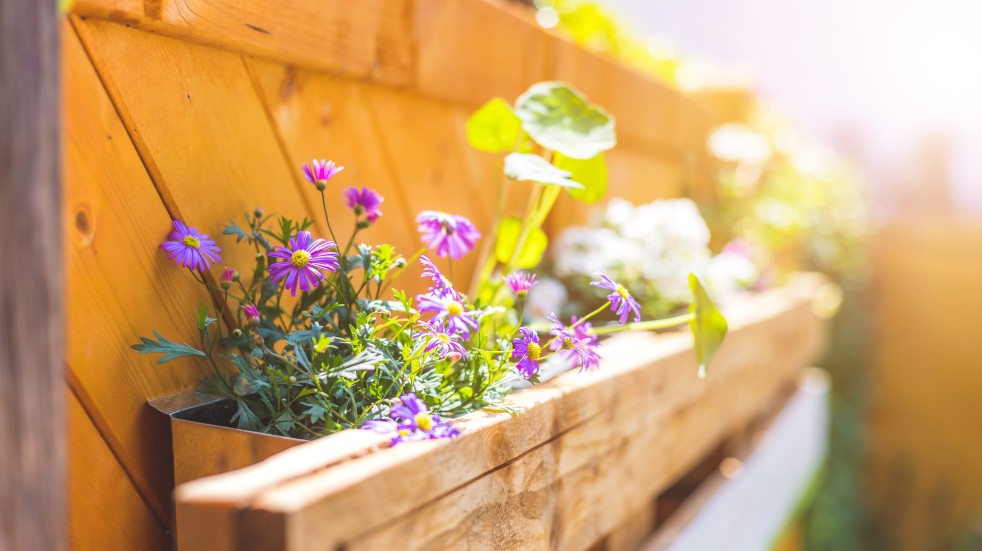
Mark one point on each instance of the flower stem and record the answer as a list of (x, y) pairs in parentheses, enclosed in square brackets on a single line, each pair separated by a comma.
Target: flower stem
[(650, 325)]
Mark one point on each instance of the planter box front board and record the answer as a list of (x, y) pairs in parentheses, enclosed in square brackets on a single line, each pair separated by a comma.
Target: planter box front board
[(586, 452)]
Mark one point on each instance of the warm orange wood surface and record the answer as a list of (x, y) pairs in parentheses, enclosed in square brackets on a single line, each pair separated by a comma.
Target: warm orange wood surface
[(203, 109), (925, 415)]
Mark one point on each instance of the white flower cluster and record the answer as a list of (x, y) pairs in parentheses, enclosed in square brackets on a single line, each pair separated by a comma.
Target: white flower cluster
[(651, 249)]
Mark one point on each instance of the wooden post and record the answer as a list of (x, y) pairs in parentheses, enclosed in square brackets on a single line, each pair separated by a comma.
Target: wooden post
[(32, 405)]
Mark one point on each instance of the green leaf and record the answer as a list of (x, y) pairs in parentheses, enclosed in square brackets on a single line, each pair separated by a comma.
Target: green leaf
[(592, 173), (708, 325), (559, 118), (202, 317), (529, 167), (507, 241), (494, 127), (169, 349)]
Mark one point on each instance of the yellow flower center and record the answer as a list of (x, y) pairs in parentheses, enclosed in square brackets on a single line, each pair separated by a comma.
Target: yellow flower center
[(623, 292), (567, 343), (403, 432), (300, 258), (192, 241), (455, 308), (424, 421), (534, 351)]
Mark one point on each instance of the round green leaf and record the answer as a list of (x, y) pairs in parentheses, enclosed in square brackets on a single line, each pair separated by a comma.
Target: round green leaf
[(494, 127), (559, 118), (708, 324), (592, 173), (508, 233), (532, 168)]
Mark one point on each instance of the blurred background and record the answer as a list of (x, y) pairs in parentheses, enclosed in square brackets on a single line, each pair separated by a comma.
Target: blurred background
[(877, 104)]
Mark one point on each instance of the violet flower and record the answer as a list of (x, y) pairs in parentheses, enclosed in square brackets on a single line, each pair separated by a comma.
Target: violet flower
[(621, 301), (438, 339), (410, 420), (527, 351), (574, 346), (590, 340), (303, 261), (189, 248), (320, 172), (440, 281), (520, 283), (448, 309), (447, 234), (364, 201)]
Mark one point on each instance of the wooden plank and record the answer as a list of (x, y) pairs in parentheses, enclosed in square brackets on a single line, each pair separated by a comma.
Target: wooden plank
[(32, 411), (353, 502), (320, 116), (469, 52), (366, 39), (201, 131), (114, 221), (633, 530), (106, 510)]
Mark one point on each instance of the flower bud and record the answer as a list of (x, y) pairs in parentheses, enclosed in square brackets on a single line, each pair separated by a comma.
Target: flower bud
[(235, 275), (400, 263), (225, 284), (258, 213), (257, 339), (236, 332), (293, 380), (321, 185), (362, 224)]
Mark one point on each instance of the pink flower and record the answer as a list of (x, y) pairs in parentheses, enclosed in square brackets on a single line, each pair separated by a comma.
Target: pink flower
[(364, 201), (447, 234), (520, 283), (319, 172), (251, 313)]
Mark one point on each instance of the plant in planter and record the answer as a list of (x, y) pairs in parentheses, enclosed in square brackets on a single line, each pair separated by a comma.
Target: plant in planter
[(341, 350)]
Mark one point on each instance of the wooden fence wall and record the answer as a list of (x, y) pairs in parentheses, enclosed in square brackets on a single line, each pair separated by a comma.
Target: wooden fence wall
[(202, 109)]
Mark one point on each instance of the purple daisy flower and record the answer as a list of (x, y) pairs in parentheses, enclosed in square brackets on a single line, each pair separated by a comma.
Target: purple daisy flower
[(445, 344), (251, 313), (447, 234), (448, 309), (364, 201), (590, 340), (440, 281), (191, 249), (303, 261), (520, 283), (574, 346), (527, 351), (319, 172), (410, 420), (621, 301)]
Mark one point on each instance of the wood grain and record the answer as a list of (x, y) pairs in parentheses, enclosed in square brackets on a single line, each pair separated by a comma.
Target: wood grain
[(638, 423), (366, 39), (114, 221), (32, 410), (106, 510)]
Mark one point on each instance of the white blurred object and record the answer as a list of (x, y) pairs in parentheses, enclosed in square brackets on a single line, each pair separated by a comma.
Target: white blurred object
[(739, 143), (651, 249), (547, 296)]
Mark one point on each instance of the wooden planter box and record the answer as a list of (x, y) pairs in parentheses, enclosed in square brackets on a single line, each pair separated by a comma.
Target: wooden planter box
[(587, 452)]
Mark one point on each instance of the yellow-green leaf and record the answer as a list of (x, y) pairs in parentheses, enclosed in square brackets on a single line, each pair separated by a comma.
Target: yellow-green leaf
[(708, 324), (590, 173), (494, 127), (532, 251)]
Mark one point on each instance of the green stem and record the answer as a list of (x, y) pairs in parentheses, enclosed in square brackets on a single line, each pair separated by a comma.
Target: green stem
[(650, 325)]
